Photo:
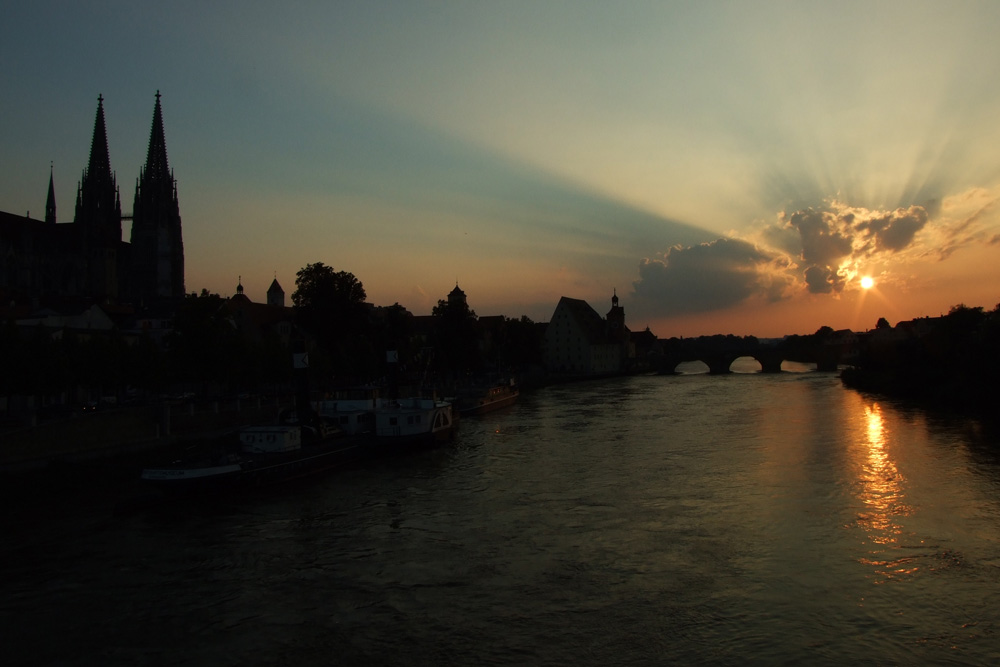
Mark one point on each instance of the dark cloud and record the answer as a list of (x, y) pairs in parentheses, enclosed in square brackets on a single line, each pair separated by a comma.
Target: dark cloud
[(819, 248), (825, 240), (822, 241), (822, 280), (895, 230), (836, 236), (706, 277)]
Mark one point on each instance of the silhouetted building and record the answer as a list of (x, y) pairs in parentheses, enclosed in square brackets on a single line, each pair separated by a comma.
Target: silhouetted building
[(456, 297), (98, 219), (578, 341), (42, 262), (647, 348), (157, 246), (275, 295), (256, 321)]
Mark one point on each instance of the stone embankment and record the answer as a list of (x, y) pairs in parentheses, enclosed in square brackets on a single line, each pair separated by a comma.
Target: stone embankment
[(106, 434)]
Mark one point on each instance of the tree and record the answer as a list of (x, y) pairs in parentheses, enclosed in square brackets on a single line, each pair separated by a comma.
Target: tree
[(204, 345), (393, 330), (883, 324), (525, 342), (964, 318), (330, 305), (318, 286), (823, 333), (455, 337)]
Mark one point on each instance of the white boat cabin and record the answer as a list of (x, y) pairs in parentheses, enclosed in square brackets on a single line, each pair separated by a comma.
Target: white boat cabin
[(270, 439)]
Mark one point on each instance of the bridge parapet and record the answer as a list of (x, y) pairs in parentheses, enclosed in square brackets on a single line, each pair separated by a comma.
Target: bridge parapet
[(719, 352)]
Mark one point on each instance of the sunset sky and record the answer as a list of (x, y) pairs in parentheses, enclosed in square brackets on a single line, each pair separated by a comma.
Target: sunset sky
[(726, 167)]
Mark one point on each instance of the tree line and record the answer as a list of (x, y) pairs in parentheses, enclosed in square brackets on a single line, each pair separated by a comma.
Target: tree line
[(950, 361), (206, 353), (349, 339)]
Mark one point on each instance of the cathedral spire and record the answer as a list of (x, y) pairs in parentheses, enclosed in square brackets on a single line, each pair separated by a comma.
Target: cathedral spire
[(157, 169), (99, 216), (157, 246), (100, 160), (50, 202)]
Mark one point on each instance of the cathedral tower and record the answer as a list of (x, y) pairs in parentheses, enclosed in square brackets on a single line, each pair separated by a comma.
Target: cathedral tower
[(157, 246), (99, 216), (50, 201)]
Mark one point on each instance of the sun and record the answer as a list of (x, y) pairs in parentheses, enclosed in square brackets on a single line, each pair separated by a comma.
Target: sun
[(867, 282)]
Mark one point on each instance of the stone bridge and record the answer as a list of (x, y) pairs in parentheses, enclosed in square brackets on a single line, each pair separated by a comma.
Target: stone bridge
[(719, 357)]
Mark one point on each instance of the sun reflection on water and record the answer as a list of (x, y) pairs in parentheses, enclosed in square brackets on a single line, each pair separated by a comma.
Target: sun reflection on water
[(880, 488)]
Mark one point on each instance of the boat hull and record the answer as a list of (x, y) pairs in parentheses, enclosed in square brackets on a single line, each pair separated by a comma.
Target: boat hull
[(192, 479), (482, 408), (260, 469), (414, 422), (494, 398)]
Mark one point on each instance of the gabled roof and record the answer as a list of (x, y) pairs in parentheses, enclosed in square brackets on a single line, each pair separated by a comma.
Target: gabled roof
[(587, 319), (643, 338), (260, 315)]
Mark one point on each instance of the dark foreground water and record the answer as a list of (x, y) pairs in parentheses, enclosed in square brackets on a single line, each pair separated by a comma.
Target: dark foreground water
[(744, 519)]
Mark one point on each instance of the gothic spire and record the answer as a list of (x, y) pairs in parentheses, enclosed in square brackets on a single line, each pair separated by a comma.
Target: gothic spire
[(157, 246), (50, 202), (157, 169), (100, 160), (96, 205)]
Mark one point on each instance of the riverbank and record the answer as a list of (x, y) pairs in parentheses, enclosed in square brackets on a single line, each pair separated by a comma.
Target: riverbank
[(121, 432), (952, 392)]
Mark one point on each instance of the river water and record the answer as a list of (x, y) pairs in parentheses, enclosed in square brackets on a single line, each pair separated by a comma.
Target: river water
[(687, 519)]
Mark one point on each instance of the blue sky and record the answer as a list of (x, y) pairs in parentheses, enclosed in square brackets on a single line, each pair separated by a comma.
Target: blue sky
[(725, 166)]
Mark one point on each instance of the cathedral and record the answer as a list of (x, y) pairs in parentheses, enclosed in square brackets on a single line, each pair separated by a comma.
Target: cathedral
[(46, 263)]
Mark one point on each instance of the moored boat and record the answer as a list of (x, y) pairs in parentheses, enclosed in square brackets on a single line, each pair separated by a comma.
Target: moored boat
[(202, 472), (259, 455), (481, 401), (302, 442), (421, 421), (354, 416)]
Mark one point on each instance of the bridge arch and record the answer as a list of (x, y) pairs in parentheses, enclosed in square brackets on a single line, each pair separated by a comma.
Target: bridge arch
[(720, 362)]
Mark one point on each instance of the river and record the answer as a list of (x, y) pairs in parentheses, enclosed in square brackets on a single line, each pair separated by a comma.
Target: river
[(686, 519)]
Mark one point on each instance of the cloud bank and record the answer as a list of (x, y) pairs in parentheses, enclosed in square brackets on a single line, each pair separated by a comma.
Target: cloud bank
[(710, 276), (812, 251), (834, 240)]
